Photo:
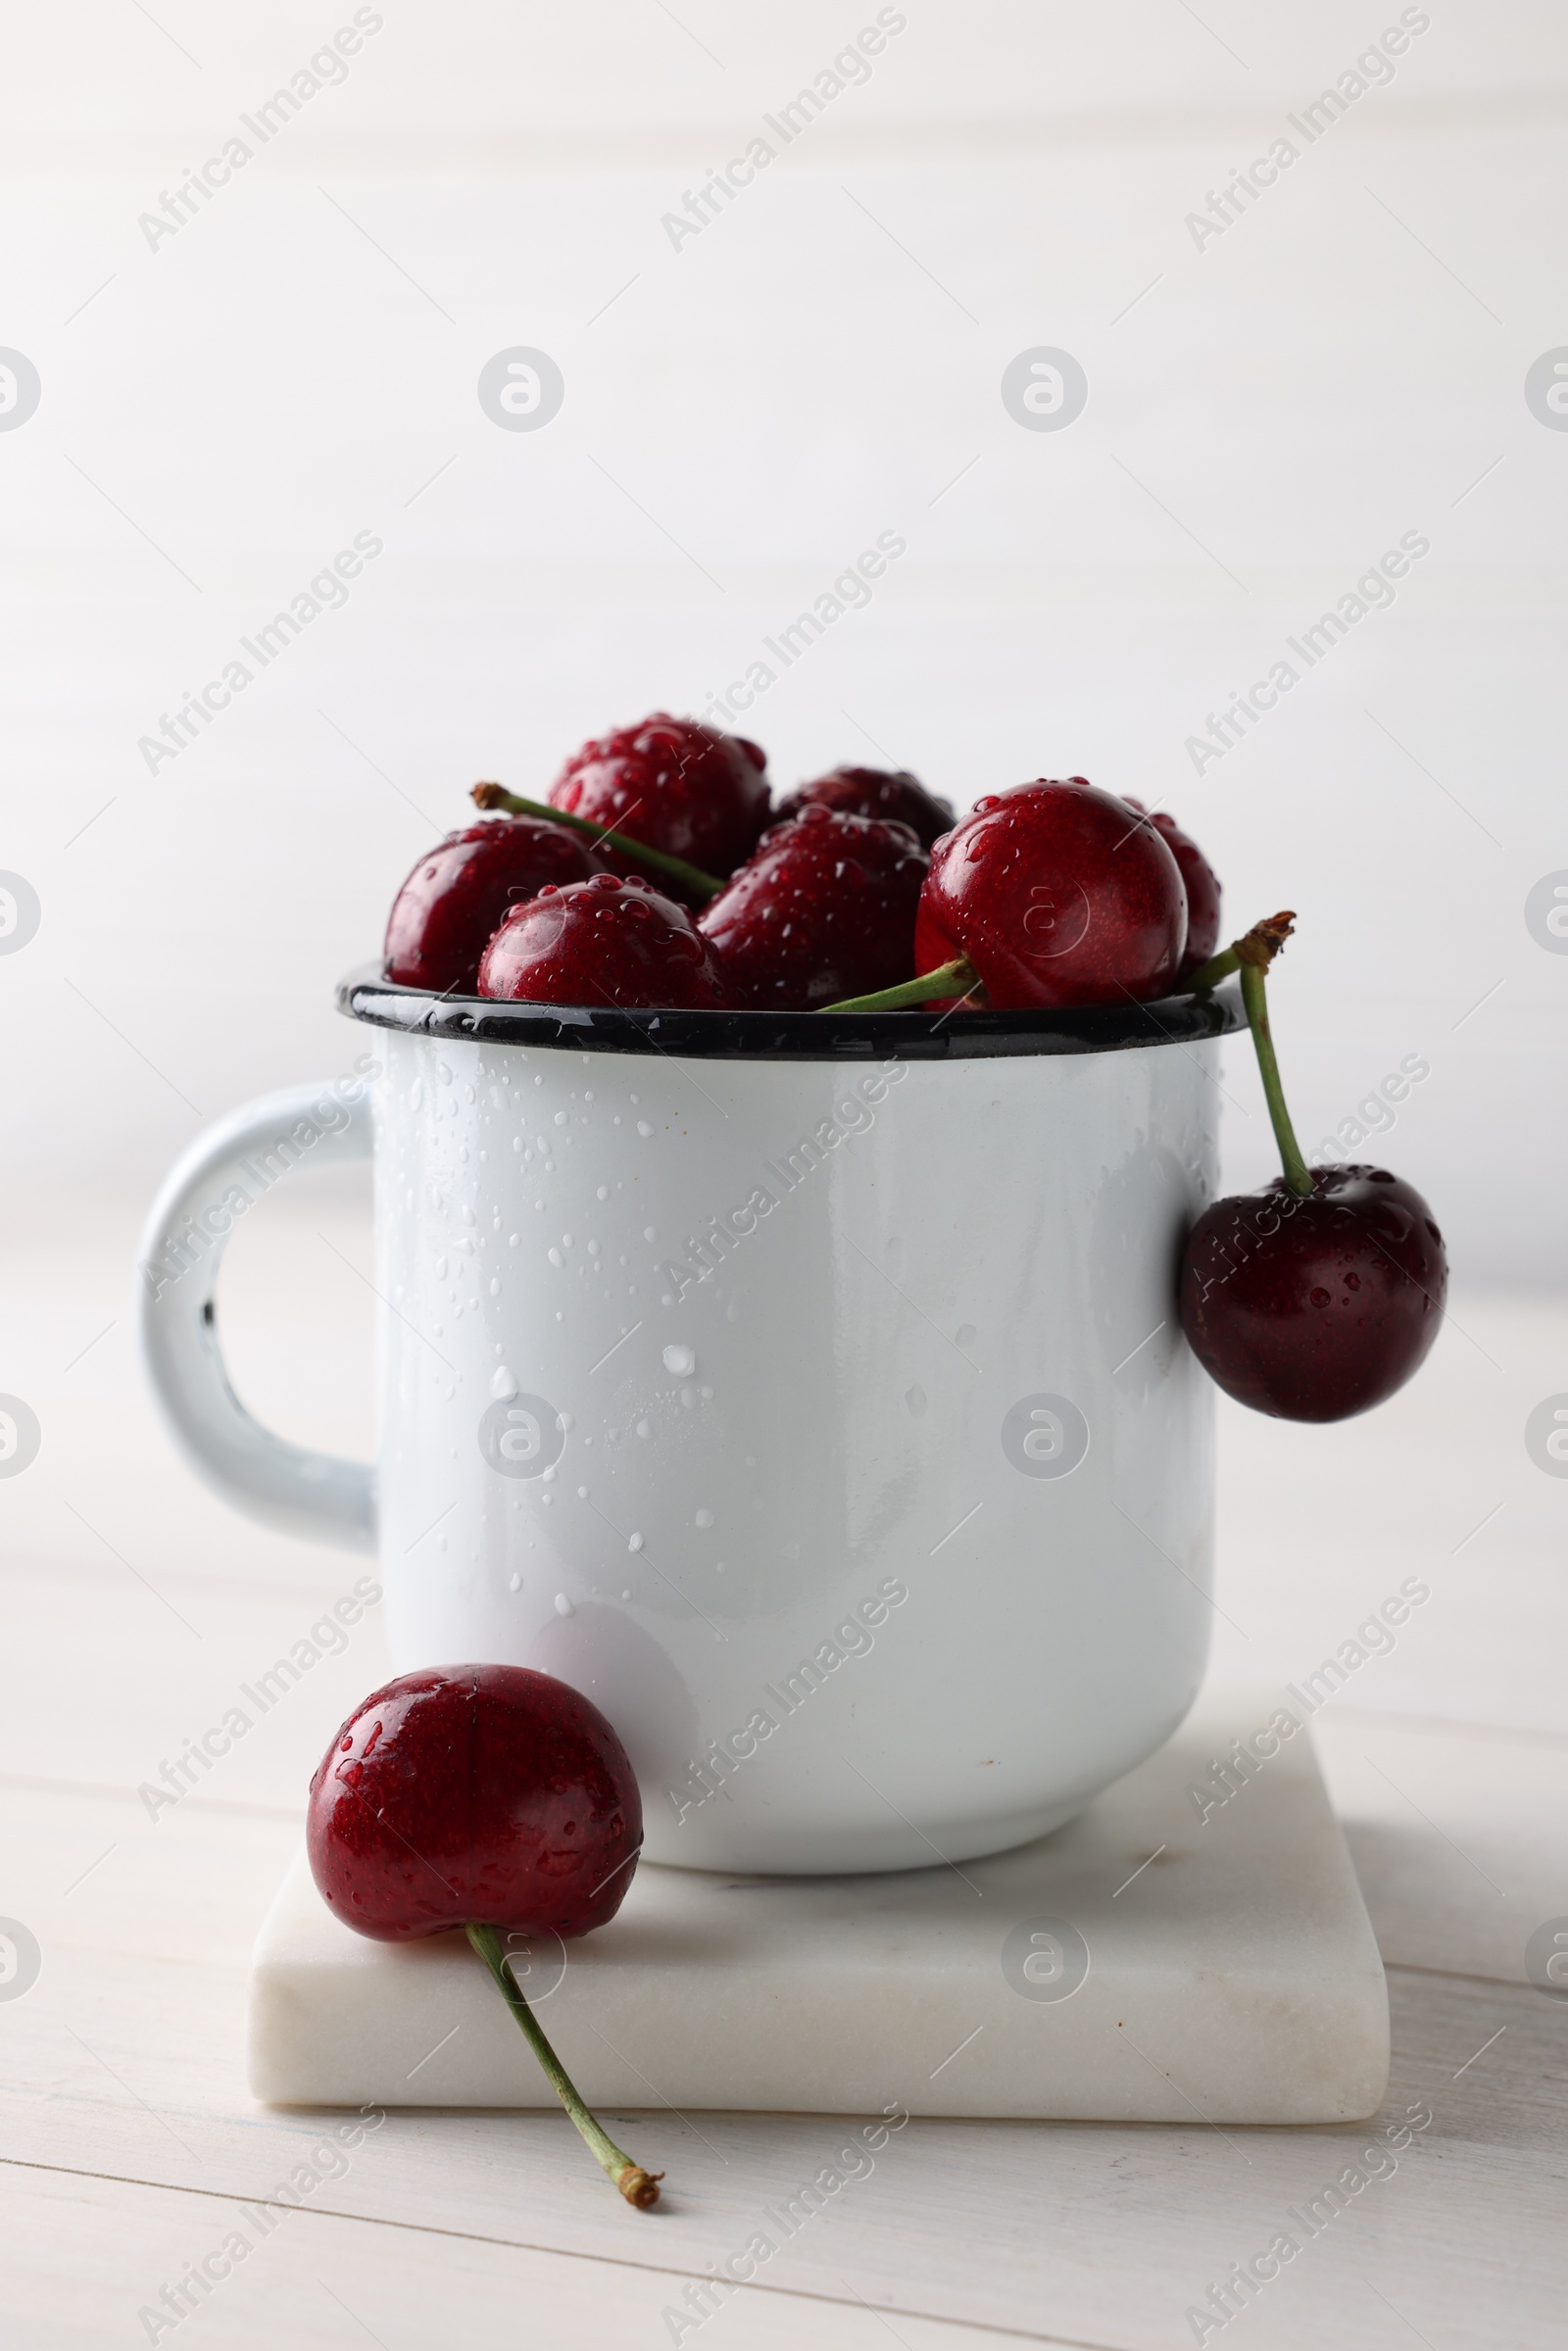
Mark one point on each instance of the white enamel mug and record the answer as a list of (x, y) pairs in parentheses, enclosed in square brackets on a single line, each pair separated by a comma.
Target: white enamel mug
[(808, 1391)]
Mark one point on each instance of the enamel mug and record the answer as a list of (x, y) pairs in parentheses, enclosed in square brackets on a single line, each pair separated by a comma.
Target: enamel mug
[(805, 1389)]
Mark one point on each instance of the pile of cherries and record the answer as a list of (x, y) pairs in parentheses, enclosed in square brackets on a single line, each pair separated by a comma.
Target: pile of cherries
[(659, 874)]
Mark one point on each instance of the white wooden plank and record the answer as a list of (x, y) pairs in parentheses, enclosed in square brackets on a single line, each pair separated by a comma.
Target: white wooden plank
[(296, 1317), (90, 2262), (1460, 1837), (1319, 1525), (163, 1668)]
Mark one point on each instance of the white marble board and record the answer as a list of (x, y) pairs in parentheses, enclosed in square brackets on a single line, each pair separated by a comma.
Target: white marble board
[(1231, 1973)]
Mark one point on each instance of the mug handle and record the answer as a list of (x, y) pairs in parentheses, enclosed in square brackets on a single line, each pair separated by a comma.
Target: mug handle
[(226, 1172)]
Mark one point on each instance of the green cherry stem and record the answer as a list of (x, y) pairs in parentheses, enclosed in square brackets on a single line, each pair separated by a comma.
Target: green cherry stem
[(690, 877), (1218, 968), (1255, 995), (638, 2186), (949, 979)]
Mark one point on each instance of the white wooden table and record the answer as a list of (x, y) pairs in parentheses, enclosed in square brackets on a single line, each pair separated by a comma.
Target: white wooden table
[(135, 1606)]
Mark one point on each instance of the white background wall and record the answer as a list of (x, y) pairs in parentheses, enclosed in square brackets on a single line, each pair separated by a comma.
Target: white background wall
[(222, 413)]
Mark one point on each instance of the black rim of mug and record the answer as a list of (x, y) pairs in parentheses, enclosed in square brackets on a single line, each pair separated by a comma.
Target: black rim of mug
[(914, 1036)]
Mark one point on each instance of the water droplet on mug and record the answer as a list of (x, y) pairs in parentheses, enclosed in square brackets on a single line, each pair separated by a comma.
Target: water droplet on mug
[(643, 1127), (681, 1360), (503, 1383), (644, 1428), (634, 1543), (688, 1398), (515, 1581), (705, 1518), (563, 1606), (443, 1074), (915, 1398)]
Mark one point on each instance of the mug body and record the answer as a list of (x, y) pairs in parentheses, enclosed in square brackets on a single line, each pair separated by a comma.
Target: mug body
[(826, 1420)]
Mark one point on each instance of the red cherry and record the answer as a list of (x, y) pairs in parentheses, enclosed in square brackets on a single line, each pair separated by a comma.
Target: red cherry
[(474, 1795), (874, 792), (1203, 890), (1057, 897), (602, 942), (680, 787), (458, 893), (489, 1798), (1318, 1307), (824, 910)]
